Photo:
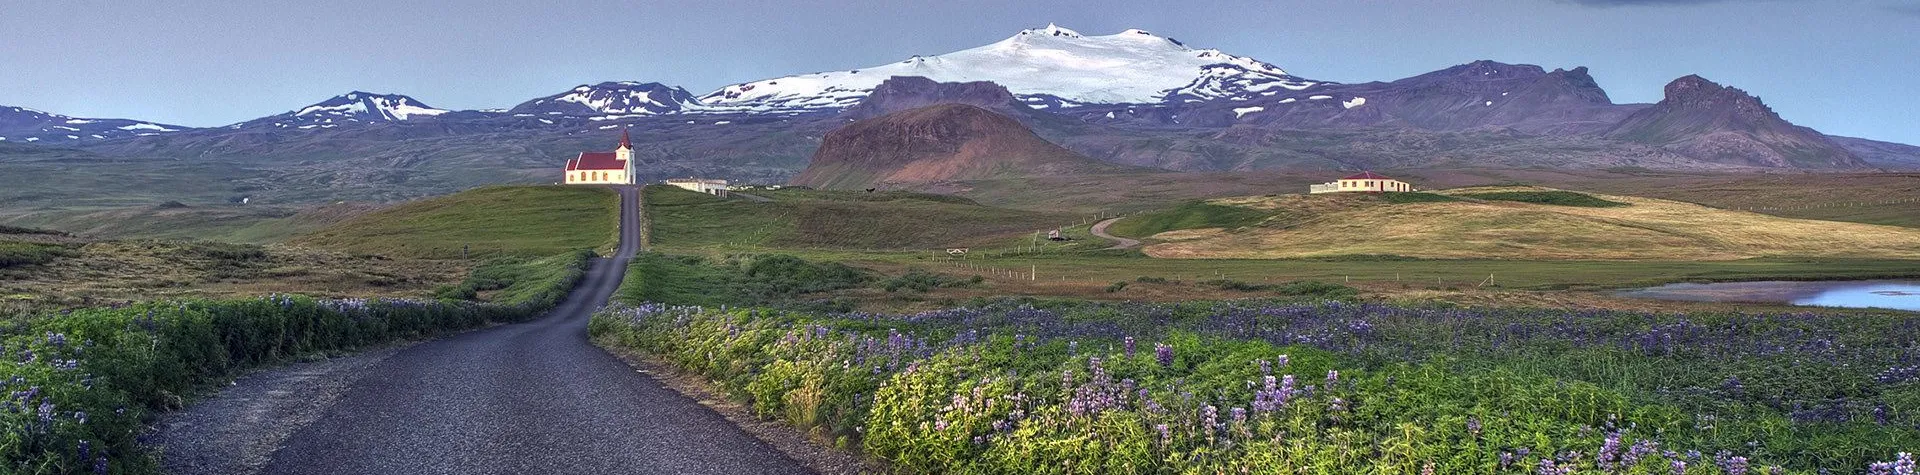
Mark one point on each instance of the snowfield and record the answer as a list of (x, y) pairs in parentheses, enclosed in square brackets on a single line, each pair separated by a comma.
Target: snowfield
[(1045, 67)]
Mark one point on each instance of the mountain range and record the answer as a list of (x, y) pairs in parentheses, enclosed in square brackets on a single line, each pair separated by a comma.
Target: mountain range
[(1129, 99)]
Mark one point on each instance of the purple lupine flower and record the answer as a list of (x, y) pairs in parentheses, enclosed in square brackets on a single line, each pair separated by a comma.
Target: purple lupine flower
[(1506, 459), (100, 465), (1547, 467), (1265, 367), (1239, 415), (1902, 464), (1333, 377), (1473, 426), (1163, 353), (1166, 435), (1281, 361), (1210, 419), (1734, 465), (1609, 457), (1129, 345), (1640, 450), (1679, 467), (1073, 347)]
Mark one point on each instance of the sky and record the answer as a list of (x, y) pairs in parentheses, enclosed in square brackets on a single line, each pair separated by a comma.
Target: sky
[(1845, 67)]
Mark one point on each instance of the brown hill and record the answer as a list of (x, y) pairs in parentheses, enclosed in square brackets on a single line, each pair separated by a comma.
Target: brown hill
[(938, 143), (1710, 122)]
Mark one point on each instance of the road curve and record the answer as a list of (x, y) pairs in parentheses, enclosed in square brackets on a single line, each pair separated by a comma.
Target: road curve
[(1100, 229), (526, 398)]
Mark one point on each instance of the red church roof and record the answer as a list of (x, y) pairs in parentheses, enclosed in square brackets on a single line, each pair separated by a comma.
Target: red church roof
[(1367, 176), (596, 161)]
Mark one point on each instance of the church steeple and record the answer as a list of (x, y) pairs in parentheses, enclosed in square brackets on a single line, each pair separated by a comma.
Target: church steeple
[(626, 142), (625, 155)]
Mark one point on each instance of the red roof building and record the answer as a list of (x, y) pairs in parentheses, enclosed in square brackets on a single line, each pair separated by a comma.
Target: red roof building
[(603, 168), (1363, 181)]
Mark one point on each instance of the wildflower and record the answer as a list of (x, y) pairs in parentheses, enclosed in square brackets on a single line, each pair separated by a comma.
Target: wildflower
[(1547, 467), (1281, 361), (1639, 451), (1163, 353), (1609, 452), (1129, 345), (1473, 426), (1166, 435), (1679, 467), (1333, 377), (100, 465)]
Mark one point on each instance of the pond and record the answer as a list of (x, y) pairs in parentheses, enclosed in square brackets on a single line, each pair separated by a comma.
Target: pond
[(1892, 294)]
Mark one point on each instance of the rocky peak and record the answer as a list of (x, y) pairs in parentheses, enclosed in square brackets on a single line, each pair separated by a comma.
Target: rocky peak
[(901, 93), (1695, 92)]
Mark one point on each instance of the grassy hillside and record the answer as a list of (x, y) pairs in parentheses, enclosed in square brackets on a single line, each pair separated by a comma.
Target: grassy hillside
[(806, 219), (1644, 229), (495, 221)]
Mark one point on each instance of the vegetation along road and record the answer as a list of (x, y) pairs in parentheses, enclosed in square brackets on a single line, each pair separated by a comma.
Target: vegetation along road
[(533, 397)]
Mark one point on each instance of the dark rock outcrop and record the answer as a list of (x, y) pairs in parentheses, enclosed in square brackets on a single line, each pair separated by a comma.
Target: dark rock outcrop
[(938, 143), (1707, 121)]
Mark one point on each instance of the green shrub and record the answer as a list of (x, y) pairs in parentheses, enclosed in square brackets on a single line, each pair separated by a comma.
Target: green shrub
[(26, 253), (1415, 197), (1116, 286), (1556, 198)]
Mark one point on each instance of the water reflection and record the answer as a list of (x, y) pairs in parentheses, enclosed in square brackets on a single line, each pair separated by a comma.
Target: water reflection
[(1891, 294)]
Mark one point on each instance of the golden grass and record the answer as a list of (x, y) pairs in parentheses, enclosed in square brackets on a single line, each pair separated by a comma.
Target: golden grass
[(1650, 229)]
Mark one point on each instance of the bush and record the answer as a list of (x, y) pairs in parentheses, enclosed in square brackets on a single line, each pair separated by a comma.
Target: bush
[(1556, 198), (83, 381), (1415, 197), (921, 281), (26, 253), (1116, 286)]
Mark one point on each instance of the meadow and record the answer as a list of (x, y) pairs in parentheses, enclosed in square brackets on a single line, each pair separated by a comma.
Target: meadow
[(1261, 386), (527, 221)]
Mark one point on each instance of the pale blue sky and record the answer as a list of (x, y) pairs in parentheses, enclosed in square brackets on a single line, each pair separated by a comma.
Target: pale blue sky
[(1845, 67)]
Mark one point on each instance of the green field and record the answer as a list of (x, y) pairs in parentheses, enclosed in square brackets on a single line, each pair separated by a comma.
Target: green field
[(531, 221), (685, 221)]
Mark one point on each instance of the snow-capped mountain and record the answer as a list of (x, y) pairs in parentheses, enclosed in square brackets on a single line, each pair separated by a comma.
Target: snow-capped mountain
[(352, 107), (613, 99), (23, 125), (1045, 67)]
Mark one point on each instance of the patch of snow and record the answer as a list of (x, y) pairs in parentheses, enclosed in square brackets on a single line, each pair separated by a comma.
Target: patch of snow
[(146, 126), (33, 139), (545, 121), (1489, 103), (1503, 93), (1319, 98), (605, 127), (1288, 100), (1352, 103), (1109, 114), (73, 137), (66, 128), (723, 122), (1239, 112), (1129, 67), (79, 121)]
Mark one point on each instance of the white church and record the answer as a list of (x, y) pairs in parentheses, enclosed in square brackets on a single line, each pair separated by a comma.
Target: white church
[(604, 168)]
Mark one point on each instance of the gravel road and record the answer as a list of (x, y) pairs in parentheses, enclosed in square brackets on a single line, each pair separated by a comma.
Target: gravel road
[(1100, 229), (526, 398)]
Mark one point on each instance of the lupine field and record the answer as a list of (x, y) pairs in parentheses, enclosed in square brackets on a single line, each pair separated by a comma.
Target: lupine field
[(1323, 388), (79, 385)]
